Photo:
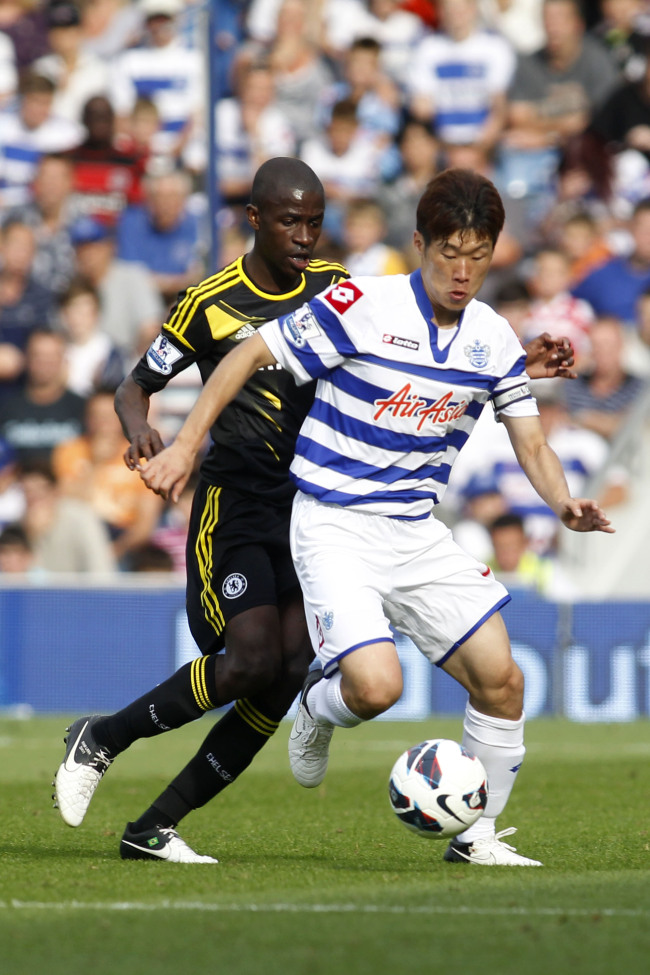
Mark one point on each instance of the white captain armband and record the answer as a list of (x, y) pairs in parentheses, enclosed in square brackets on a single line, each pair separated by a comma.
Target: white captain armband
[(510, 396)]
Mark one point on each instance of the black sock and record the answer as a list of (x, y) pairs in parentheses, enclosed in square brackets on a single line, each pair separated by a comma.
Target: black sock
[(184, 696), (228, 749)]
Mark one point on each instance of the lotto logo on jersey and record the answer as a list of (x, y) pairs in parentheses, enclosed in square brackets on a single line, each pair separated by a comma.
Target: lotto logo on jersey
[(162, 355), (343, 296)]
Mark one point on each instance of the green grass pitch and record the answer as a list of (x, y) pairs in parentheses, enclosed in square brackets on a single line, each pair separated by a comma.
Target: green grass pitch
[(327, 881)]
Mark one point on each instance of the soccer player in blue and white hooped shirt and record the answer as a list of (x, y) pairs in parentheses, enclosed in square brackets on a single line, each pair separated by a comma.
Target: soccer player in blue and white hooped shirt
[(404, 364)]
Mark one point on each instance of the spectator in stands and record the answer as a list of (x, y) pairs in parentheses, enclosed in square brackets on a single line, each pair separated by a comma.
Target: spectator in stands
[(481, 502), (613, 288), (109, 26), (514, 559), (163, 233), (601, 397), (364, 233), (398, 31), (553, 306), (12, 503), (623, 28), (396, 28), (49, 214), (93, 360), (28, 132), (459, 77), (164, 70), (347, 161), (623, 120), (519, 21), (131, 305), (105, 177), (65, 534), (23, 21), (141, 133), (43, 412), (584, 244), (419, 151), (513, 300), (24, 303), (300, 71), (585, 182), (16, 556), (91, 468), (76, 73), (252, 128), (552, 95), (376, 98)]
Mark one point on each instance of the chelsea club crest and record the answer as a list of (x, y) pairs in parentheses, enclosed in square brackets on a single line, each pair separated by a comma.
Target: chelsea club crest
[(478, 355)]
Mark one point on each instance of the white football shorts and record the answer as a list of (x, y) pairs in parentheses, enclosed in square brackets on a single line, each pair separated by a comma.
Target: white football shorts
[(362, 572)]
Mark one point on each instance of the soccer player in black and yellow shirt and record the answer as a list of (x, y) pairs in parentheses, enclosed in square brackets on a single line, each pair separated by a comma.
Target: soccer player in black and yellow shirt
[(242, 591)]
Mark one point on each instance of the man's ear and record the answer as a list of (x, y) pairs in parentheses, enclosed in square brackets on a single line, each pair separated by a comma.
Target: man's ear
[(253, 216)]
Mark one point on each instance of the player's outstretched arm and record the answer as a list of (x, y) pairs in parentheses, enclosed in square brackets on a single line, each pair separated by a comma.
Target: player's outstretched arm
[(168, 472), (544, 471), (132, 407), (548, 357)]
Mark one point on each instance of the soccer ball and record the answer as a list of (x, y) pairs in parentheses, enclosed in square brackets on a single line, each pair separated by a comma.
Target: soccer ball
[(438, 788)]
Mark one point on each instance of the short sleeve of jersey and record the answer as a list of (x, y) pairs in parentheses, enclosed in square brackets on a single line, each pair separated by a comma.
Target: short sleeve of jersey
[(511, 394), (312, 341), (164, 358)]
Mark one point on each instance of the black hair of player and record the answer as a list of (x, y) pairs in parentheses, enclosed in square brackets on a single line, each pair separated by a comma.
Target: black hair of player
[(282, 176), (457, 201)]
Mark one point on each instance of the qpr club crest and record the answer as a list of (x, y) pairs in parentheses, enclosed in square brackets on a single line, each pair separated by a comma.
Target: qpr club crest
[(478, 355)]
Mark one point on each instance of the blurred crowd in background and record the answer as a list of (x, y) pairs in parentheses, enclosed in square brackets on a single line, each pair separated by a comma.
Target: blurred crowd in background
[(104, 163)]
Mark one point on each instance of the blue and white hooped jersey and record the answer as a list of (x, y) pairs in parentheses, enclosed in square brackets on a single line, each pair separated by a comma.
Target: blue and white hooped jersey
[(392, 406)]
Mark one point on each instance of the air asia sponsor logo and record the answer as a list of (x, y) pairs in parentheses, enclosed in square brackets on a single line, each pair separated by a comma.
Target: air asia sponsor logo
[(343, 296), (406, 403), (162, 355), (234, 585), (402, 343), (301, 326)]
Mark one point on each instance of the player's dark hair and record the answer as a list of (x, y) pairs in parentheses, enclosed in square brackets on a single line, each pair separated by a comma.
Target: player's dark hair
[(281, 175), (457, 201)]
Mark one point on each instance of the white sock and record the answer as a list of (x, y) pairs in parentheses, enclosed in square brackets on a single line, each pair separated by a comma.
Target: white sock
[(325, 703), (499, 743)]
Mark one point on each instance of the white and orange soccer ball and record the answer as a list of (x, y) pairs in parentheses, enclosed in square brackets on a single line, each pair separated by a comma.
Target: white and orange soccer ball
[(438, 788)]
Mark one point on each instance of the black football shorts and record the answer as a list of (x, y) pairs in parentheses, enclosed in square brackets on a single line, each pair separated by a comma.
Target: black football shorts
[(238, 557)]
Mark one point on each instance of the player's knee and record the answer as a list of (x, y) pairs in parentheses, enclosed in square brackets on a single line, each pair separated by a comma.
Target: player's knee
[(504, 695), (373, 698)]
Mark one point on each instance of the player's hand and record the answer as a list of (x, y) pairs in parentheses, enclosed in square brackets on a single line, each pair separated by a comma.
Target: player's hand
[(585, 515), (168, 472), (145, 445), (548, 357)]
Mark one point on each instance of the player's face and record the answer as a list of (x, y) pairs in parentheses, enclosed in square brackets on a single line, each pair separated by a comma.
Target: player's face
[(453, 271), (286, 233)]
